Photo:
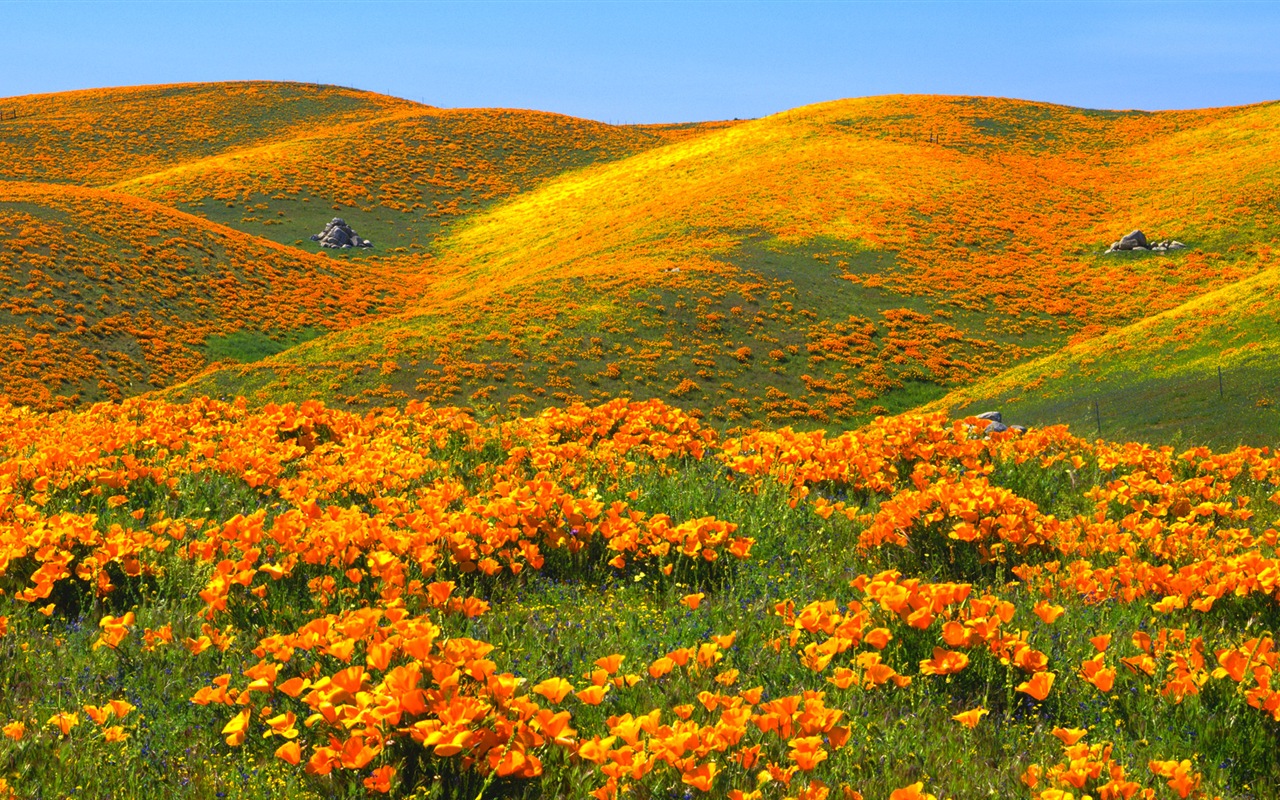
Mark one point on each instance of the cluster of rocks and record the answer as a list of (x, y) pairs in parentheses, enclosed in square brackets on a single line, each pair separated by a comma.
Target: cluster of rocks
[(1137, 240), (995, 423), (338, 234)]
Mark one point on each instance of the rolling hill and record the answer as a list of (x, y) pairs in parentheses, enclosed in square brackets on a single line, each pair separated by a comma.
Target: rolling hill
[(99, 136), (144, 227), (1205, 371), (107, 295), (829, 263), (397, 178), (819, 266)]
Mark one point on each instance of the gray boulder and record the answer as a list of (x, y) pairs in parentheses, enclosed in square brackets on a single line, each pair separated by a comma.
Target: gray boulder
[(995, 424), (337, 234), (1134, 239), (1137, 241)]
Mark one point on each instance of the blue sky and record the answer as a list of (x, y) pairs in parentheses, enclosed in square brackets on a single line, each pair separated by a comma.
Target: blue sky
[(663, 61)]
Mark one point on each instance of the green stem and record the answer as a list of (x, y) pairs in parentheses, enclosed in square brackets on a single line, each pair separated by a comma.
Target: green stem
[(493, 773)]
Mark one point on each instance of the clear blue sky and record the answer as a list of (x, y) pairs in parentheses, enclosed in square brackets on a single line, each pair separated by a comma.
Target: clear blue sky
[(662, 61)]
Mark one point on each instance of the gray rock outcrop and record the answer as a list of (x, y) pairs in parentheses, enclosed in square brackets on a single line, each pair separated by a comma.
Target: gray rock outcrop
[(1137, 241), (337, 234), (990, 422)]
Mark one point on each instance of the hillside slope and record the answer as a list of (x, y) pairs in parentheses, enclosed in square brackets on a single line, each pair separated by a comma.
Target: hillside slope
[(397, 178), (99, 136), (1206, 371), (107, 295), (828, 263)]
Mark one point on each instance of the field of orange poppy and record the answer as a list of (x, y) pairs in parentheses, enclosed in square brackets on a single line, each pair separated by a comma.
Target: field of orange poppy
[(616, 600), (632, 461)]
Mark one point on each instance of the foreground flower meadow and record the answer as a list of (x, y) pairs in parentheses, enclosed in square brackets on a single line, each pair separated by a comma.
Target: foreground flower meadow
[(207, 600)]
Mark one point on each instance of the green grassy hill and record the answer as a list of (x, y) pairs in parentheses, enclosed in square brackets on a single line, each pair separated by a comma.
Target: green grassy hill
[(1207, 371)]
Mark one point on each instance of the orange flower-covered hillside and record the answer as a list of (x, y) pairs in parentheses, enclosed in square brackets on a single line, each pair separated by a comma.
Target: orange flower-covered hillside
[(98, 136), (824, 264), (398, 177), (111, 296), (1208, 366), (106, 296), (410, 601)]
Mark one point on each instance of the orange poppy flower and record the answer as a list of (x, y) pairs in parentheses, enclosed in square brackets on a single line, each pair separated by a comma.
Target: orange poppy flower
[(610, 663), (702, 777), (807, 752), (913, 792), (661, 667), (944, 662), (236, 728), (380, 780), (554, 689), (115, 734), (1039, 685), (970, 718), (843, 678), (64, 721), (592, 695), (878, 638), (294, 686), (725, 641), (121, 708), (1096, 672), (1048, 613), (1069, 736), (290, 752)]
